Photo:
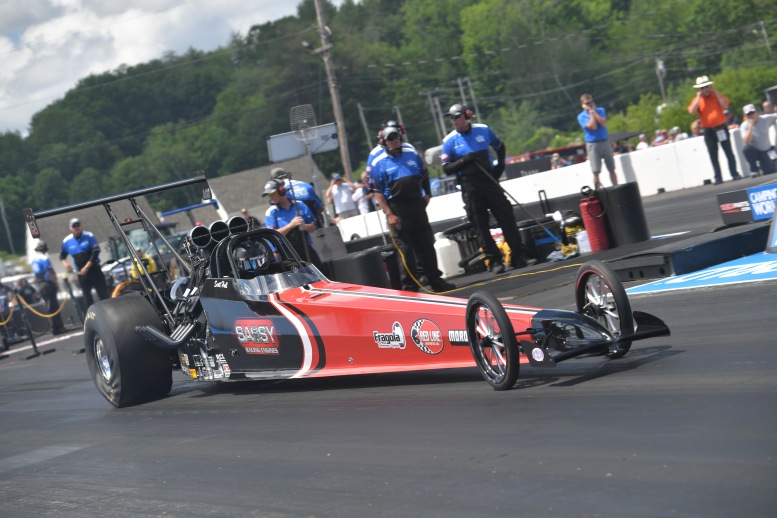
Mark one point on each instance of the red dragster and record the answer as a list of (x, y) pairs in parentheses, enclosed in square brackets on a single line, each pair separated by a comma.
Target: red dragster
[(250, 308)]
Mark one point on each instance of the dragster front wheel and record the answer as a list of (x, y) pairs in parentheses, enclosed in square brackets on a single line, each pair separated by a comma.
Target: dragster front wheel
[(492, 340), (599, 294)]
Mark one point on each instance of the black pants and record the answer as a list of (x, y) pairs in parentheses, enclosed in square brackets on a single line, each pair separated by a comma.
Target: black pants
[(711, 140), (48, 292), (756, 157), (414, 234), (94, 278), (480, 196)]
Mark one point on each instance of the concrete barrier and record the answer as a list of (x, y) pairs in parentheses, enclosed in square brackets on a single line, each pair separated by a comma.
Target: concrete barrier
[(676, 166)]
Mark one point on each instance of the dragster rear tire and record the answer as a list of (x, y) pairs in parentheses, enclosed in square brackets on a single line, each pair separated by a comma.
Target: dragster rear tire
[(126, 369), (600, 295), (492, 340)]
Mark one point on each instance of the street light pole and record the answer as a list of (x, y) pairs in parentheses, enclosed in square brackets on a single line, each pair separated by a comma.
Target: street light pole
[(325, 51)]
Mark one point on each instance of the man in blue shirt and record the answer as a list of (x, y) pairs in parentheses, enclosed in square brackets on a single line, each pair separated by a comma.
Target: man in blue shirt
[(402, 190), (293, 219), (85, 251), (302, 191), (46, 281), (465, 153), (593, 120)]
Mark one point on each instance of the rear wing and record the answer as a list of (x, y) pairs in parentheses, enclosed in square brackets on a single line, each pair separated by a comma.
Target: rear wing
[(31, 217)]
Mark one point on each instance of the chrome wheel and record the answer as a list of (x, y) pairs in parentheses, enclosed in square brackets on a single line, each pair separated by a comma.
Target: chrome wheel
[(492, 340)]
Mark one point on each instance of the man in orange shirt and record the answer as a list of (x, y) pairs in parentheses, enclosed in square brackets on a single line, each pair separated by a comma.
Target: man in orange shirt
[(710, 105)]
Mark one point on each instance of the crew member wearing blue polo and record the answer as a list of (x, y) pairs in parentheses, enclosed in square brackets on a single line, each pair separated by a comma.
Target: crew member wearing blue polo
[(46, 282), (402, 191), (593, 120), (85, 250), (465, 153), (302, 191), (293, 219)]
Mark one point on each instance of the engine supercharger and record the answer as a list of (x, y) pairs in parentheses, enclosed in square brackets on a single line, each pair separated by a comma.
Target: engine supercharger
[(592, 211)]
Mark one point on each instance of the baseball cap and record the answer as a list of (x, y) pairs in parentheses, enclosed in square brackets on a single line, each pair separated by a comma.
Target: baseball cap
[(270, 187), (279, 173), (749, 108), (75, 222), (337, 176)]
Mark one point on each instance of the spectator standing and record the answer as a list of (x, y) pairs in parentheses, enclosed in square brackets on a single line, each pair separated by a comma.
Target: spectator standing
[(402, 190), (363, 194), (465, 153), (755, 133), (593, 120), (253, 223), (83, 247), (709, 105), (302, 191), (46, 281), (340, 192), (293, 219)]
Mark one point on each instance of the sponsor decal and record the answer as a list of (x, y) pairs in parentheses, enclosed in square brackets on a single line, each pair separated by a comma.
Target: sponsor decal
[(257, 336), (426, 336), (227, 370), (221, 284), (762, 200), (193, 373), (393, 340), (458, 337), (220, 359), (184, 359), (90, 315), (197, 360), (537, 354), (739, 206)]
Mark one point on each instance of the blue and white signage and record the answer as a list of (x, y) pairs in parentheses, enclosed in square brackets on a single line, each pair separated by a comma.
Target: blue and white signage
[(762, 200), (754, 268)]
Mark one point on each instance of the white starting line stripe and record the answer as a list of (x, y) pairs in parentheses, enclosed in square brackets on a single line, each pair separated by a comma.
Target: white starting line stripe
[(41, 343), (36, 456)]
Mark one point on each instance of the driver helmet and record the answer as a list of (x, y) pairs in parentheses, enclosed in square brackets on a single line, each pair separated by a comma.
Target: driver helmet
[(251, 256)]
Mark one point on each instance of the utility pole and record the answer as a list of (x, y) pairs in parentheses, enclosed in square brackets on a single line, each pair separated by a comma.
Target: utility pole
[(325, 50), (428, 94), (439, 114), (472, 96), (364, 125), (766, 38), (399, 120), (7, 230), (661, 72), (461, 90)]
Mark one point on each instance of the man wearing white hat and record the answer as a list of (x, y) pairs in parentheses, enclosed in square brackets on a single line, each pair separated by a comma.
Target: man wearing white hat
[(710, 105), (755, 133)]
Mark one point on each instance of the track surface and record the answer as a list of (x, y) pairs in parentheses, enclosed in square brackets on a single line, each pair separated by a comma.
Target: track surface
[(682, 426)]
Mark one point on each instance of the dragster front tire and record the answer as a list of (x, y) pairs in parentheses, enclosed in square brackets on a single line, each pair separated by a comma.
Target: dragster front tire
[(599, 294), (492, 340), (126, 369)]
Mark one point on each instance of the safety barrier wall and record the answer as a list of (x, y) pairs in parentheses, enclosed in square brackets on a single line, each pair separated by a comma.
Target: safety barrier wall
[(672, 167)]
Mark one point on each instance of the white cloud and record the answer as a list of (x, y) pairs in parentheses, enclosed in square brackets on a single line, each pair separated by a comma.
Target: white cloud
[(47, 46)]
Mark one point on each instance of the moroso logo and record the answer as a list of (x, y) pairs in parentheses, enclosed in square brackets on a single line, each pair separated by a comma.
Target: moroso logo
[(426, 336), (256, 336), (393, 340), (458, 337)]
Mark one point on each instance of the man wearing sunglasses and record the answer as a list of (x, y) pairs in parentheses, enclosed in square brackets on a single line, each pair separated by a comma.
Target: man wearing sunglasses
[(710, 105), (465, 153), (402, 190), (593, 120), (83, 247)]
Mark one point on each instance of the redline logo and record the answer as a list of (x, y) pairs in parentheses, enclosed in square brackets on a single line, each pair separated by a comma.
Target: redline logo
[(427, 336), (257, 336)]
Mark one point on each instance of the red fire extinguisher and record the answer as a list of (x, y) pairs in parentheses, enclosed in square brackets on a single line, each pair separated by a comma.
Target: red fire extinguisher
[(592, 211)]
